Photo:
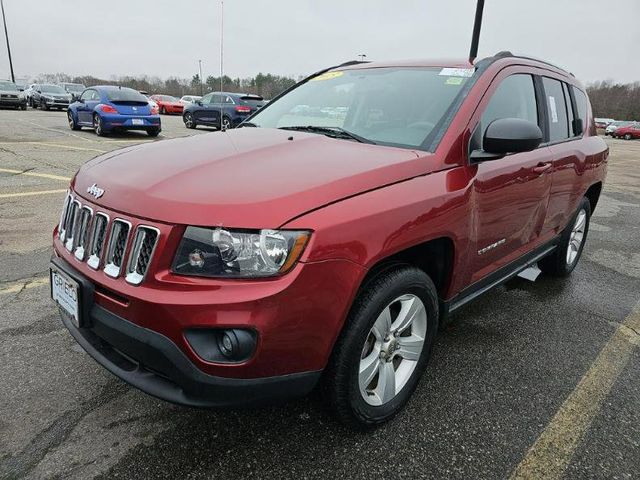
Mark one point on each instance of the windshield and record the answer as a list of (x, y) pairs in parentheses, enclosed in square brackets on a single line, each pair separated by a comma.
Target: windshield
[(125, 95), (51, 89), (74, 87), (392, 106), (8, 86)]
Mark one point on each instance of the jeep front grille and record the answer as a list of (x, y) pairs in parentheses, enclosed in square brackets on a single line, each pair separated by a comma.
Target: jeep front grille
[(116, 247), (98, 234), (140, 257), (93, 238)]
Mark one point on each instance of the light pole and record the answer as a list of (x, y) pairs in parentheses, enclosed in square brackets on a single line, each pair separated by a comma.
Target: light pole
[(221, 54), (362, 57), (6, 35), (200, 67)]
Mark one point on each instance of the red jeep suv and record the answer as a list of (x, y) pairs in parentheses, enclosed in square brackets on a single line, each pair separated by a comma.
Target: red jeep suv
[(328, 239)]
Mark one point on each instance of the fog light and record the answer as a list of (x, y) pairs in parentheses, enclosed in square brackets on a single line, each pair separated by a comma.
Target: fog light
[(228, 344)]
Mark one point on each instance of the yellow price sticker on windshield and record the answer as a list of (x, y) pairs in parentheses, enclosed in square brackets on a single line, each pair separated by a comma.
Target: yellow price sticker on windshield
[(454, 81), (327, 76)]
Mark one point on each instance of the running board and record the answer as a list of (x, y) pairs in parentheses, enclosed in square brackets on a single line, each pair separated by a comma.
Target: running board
[(497, 278)]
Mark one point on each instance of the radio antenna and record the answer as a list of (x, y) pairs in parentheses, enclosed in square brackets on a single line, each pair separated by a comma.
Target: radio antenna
[(475, 39)]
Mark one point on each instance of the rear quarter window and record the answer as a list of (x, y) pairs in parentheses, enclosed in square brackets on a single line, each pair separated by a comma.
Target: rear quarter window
[(581, 106)]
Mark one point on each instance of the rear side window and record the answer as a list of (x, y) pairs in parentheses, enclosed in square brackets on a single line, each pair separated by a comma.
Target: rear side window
[(573, 132), (581, 106), (557, 108), (515, 97)]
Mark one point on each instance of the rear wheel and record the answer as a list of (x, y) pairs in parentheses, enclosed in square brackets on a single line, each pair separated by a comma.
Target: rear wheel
[(568, 252), (72, 122), (384, 347), (189, 122), (226, 123), (98, 125)]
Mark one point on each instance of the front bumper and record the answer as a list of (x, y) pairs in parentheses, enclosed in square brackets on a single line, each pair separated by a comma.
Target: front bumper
[(12, 102), (154, 364)]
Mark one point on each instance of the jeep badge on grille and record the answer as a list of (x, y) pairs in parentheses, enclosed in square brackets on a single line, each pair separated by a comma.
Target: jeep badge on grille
[(95, 191)]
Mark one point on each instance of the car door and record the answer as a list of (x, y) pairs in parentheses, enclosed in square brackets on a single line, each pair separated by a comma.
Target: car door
[(212, 112), (90, 99), (566, 145), (510, 194)]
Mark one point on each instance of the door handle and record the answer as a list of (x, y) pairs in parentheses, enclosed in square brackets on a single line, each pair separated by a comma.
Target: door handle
[(542, 167)]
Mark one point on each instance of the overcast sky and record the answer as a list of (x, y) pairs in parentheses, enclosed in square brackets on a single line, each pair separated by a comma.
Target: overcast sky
[(595, 39)]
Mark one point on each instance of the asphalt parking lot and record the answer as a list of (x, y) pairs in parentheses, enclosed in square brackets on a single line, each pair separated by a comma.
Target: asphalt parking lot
[(534, 380)]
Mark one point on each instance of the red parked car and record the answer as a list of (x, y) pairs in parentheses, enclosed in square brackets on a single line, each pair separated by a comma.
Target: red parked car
[(167, 104), (328, 239), (628, 132)]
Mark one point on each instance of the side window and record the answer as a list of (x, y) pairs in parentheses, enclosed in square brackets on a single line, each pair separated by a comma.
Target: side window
[(217, 99), (573, 132), (515, 97), (581, 105), (557, 108), (87, 95), (229, 100)]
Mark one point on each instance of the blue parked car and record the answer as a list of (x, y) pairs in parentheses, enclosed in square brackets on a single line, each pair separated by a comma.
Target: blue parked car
[(109, 108), (233, 107)]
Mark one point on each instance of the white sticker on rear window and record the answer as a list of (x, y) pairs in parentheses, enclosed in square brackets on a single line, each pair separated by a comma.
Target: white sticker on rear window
[(457, 72), (554, 110)]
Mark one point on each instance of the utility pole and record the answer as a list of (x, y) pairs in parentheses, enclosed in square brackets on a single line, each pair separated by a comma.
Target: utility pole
[(200, 66), (221, 54), (6, 35), (362, 57)]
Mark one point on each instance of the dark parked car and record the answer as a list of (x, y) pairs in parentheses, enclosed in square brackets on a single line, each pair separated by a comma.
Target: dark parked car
[(109, 108), (74, 89), (243, 268), (233, 107), (47, 96), (11, 96)]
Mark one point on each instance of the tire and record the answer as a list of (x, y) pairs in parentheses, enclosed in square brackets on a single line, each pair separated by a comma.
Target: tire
[(627, 136), (226, 123), (98, 126), (561, 263), (154, 132), (163, 111), (73, 125), (23, 106), (365, 404), (44, 106), (188, 120), (31, 104)]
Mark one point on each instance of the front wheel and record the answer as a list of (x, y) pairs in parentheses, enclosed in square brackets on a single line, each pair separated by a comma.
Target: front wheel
[(189, 122), (43, 105), (384, 347), (73, 125), (163, 111), (627, 136), (569, 250)]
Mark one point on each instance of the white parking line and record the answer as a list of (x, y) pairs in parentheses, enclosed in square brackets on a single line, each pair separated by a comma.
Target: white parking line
[(56, 145), (35, 174), (28, 194), (56, 131)]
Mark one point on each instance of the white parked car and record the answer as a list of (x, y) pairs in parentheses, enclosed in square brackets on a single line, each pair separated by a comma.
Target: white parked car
[(187, 99)]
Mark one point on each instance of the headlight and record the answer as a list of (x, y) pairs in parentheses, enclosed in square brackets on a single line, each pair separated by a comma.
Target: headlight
[(238, 253)]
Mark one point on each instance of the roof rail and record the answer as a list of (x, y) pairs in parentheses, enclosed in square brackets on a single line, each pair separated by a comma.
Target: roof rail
[(508, 54)]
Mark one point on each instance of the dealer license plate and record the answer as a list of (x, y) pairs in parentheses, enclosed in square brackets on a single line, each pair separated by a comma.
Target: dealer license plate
[(64, 291)]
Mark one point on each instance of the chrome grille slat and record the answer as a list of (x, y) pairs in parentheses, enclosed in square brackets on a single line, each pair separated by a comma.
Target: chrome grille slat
[(98, 234), (144, 245), (116, 247), (82, 238), (63, 216), (71, 225)]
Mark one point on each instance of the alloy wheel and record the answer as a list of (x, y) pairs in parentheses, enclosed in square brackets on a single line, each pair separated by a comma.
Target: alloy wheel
[(577, 235), (188, 120), (70, 119), (226, 123), (392, 349)]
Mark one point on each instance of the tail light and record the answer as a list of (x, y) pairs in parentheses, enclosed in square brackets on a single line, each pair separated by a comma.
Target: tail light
[(155, 110), (107, 109), (243, 109)]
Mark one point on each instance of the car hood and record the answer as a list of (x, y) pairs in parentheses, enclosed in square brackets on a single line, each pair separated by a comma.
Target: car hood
[(9, 92), (247, 178)]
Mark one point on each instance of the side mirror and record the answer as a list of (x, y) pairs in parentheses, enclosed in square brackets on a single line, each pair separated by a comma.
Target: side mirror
[(79, 100), (199, 102), (508, 135), (39, 91)]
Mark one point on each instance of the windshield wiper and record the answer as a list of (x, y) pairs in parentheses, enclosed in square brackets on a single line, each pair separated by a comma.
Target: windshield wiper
[(334, 132)]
